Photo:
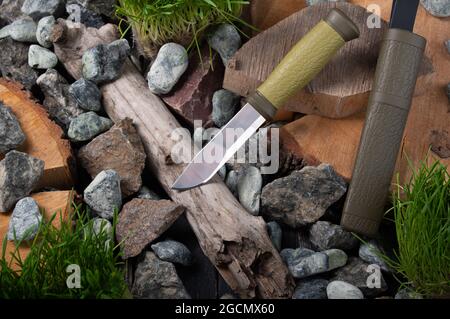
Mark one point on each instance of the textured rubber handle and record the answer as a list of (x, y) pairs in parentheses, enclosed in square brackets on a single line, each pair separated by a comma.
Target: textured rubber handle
[(395, 79), (308, 57)]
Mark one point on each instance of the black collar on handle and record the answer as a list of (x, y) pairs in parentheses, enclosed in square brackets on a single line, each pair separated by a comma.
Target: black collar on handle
[(403, 14)]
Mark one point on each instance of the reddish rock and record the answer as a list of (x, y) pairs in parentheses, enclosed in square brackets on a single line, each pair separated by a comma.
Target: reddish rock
[(141, 221), (192, 97), (119, 149)]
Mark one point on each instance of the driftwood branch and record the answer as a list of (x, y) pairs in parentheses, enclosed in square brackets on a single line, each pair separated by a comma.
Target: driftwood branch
[(235, 242)]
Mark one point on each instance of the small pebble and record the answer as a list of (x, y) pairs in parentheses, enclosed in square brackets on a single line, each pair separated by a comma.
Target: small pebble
[(25, 220), (22, 30), (225, 39), (44, 31), (311, 288), (223, 172), (40, 8), (325, 235), (104, 62), (173, 251), (275, 234), (146, 193), (438, 8), (406, 293), (41, 58), (103, 194), (448, 91), (447, 45), (224, 106), (80, 14), (370, 253), (167, 69), (87, 126), (343, 290), (11, 134), (232, 182), (249, 189), (86, 94)]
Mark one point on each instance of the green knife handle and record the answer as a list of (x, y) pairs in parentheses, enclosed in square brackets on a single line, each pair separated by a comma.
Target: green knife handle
[(395, 79), (305, 60)]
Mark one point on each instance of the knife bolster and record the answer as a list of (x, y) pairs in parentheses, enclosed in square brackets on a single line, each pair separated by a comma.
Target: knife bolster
[(262, 105)]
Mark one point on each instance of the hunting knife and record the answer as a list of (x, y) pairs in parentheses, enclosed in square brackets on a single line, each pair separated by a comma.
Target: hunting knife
[(305, 60), (389, 103)]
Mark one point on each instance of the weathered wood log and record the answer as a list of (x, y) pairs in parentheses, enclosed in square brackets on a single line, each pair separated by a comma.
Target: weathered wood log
[(340, 90), (43, 137), (50, 203), (336, 142), (235, 242)]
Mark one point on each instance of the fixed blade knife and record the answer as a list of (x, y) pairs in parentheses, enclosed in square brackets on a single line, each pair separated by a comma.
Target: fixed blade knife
[(396, 74), (305, 60)]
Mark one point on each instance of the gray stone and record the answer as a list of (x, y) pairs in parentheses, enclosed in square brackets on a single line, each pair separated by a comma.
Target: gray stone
[(44, 31), (223, 172), (157, 279), (87, 126), (313, 2), (447, 45), (14, 63), (370, 252), (170, 64), (311, 288), (147, 193), (275, 234), (41, 58), (343, 290), (105, 7), (304, 262), (104, 62), (10, 10), (407, 293), (103, 194), (101, 225), (249, 189), (19, 176), (336, 258), (80, 14), (361, 275), (302, 197), (232, 182), (225, 39), (4, 32), (325, 235), (38, 9), (173, 251), (225, 104), (25, 220), (438, 8), (23, 30), (11, 134), (86, 94), (61, 106)]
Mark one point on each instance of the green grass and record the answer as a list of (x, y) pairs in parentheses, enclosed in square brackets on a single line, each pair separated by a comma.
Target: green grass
[(156, 22), (43, 273), (422, 221)]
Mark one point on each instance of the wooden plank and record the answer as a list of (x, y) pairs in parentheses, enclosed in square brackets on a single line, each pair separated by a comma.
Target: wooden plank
[(336, 141), (235, 242), (43, 137), (50, 203), (266, 13), (340, 90)]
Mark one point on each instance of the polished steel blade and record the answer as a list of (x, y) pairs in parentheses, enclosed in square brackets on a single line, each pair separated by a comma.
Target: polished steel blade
[(225, 144)]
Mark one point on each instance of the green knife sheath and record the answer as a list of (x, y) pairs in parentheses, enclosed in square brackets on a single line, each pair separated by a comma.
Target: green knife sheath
[(395, 79)]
